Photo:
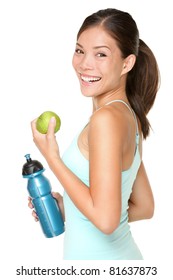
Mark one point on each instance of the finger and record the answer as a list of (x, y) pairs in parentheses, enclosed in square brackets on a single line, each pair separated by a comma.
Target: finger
[(33, 125), (34, 214), (56, 195), (51, 127), (30, 205)]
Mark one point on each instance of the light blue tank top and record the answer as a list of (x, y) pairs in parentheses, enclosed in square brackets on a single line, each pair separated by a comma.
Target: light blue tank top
[(82, 240)]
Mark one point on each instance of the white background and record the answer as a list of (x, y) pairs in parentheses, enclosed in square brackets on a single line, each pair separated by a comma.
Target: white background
[(37, 41)]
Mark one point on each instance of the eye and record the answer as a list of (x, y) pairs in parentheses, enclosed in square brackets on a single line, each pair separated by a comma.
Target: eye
[(78, 51), (101, 55)]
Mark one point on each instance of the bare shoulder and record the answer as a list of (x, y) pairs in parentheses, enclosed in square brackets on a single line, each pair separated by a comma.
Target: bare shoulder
[(108, 120), (107, 134), (114, 128), (107, 112)]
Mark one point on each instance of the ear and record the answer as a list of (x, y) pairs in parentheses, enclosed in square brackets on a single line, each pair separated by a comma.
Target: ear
[(128, 64)]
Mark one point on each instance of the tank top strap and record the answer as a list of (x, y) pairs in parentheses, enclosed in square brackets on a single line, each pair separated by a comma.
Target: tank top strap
[(131, 110)]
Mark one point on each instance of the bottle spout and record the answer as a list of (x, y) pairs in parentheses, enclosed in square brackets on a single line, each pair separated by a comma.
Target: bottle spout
[(28, 158), (31, 166)]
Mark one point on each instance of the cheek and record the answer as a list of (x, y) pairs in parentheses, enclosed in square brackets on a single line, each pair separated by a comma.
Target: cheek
[(74, 62), (116, 71)]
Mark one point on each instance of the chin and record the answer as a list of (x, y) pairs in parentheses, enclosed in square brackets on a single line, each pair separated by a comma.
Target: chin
[(87, 93)]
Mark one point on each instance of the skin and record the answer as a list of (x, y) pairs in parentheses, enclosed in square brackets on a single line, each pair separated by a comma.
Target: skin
[(102, 74)]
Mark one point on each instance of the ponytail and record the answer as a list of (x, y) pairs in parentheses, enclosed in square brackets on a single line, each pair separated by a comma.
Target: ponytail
[(142, 85)]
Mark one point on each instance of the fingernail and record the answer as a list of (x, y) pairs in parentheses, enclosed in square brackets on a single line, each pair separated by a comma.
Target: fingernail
[(52, 119)]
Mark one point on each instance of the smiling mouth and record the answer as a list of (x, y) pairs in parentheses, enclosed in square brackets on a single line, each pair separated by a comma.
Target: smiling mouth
[(90, 79)]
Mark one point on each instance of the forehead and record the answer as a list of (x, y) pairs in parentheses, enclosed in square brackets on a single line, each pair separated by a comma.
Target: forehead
[(96, 36)]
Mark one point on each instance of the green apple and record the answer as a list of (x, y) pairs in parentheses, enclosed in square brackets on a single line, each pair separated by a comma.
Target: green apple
[(43, 122)]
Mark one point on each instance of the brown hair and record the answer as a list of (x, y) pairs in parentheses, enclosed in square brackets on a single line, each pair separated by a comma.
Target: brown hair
[(143, 80)]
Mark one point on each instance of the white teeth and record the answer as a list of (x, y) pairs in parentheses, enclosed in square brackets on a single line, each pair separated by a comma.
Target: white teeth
[(90, 79)]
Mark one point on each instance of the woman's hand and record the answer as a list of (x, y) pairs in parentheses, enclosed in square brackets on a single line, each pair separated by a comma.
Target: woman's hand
[(60, 203), (31, 206), (141, 202), (59, 200), (46, 143)]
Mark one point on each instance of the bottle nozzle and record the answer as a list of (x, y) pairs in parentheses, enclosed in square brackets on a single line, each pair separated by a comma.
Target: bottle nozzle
[(31, 166), (27, 156)]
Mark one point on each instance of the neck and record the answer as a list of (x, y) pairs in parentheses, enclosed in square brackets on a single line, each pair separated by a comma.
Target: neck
[(101, 100)]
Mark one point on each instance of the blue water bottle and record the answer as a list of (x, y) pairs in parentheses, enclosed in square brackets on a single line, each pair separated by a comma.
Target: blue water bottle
[(45, 205)]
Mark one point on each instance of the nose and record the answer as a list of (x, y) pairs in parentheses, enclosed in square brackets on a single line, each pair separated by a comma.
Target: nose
[(86, 62)]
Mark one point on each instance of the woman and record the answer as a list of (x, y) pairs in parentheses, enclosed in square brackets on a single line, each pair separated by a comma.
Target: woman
[(102, 173)]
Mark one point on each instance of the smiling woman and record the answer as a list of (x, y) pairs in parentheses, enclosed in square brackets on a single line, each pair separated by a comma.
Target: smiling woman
[(102, 172), (98, 62)]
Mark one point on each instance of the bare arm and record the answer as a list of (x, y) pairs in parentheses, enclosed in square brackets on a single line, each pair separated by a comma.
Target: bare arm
[(101, 203), (141, 203)]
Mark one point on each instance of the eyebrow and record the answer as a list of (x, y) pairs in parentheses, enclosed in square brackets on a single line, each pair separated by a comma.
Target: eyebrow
[(96, 47)]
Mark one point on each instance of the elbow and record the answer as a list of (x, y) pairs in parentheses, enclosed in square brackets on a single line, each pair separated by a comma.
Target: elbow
[(108, 227), (149, 212), (107, 221), (108, 231), (150, 209)]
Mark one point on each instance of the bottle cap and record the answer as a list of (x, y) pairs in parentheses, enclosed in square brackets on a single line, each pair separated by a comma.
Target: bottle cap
[(31, 166)]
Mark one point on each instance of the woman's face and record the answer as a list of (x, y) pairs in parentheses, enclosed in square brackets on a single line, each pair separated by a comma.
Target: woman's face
[(98, 62)]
